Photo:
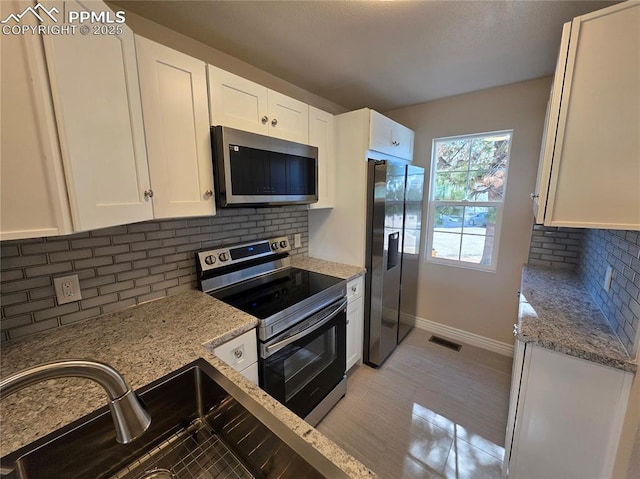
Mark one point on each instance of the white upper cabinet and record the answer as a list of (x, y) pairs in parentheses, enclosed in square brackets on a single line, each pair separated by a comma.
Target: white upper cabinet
[(288, 118), (242, 104), (237, 102), (589, 174), (96, 95), (33, 196), (321, 134), (173, 87), (390, 137)]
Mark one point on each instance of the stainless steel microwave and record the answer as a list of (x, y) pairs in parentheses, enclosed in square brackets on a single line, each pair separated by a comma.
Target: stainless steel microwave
[(257, 170)]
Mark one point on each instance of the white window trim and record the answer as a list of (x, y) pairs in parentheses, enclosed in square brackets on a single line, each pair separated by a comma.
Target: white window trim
[(433, 203)]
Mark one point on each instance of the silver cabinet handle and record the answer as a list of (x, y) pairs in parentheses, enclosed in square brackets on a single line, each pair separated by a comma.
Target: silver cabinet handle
[(238, 353), (515, 329), (264, 120), (274, 122), (534, 196), (208, 194), (148, 194)]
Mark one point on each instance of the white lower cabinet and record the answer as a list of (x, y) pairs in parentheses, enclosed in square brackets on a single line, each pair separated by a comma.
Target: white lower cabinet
[(355, 321), (565, 416), (241, 353)]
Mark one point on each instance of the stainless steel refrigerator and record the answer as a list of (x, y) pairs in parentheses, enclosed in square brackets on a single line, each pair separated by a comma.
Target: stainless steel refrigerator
[(394, 215)]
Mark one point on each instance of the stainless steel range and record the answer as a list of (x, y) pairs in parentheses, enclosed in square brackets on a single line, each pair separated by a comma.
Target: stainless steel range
[(302, 321)]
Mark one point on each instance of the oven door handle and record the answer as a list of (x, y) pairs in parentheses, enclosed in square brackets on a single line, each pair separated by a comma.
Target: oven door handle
[(274, 348)]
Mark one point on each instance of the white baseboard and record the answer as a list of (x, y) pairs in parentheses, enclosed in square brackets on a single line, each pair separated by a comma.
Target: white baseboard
[(450, 332)]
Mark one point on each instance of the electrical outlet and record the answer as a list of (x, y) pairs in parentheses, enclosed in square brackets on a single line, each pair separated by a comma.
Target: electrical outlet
[(608, 276), (67, 289), (297, 240)]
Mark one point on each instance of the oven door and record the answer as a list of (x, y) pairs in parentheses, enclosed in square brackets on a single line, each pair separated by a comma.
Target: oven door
[(301, 366)]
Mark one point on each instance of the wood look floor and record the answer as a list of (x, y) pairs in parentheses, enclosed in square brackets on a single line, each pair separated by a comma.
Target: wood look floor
[(428, 412)]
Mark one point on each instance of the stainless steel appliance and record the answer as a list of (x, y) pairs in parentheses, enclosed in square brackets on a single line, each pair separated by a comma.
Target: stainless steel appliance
[(257, 170), (302, 321), (394, 213)]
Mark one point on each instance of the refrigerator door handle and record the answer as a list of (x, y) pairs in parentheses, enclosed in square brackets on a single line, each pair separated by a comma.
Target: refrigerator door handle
[(393, 250)]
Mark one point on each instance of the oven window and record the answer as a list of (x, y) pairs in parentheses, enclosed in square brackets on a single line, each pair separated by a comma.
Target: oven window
[(308, 362)]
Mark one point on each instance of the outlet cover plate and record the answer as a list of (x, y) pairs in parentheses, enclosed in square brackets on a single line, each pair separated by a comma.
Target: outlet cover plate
[(67, 289), (608, 276)]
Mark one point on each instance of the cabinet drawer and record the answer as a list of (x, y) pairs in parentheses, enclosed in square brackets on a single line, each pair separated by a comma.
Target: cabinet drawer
[(354, 288), (240, 352)]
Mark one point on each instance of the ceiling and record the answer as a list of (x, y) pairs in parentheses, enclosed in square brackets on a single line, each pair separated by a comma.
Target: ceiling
[(380, 54)]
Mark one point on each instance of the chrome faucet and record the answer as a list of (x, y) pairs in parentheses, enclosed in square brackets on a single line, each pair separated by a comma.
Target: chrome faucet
[(129, 417)]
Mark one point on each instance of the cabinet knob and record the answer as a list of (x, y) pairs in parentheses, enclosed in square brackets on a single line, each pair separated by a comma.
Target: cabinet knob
[(395, 143), (534, 196), (264, 120), (148, 194), (515, 329), (274, 122), (238, 353), (208, 194), (354, 289)]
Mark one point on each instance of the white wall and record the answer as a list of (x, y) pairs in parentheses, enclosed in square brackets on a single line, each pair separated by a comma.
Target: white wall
[(479, 302), (178, 41)]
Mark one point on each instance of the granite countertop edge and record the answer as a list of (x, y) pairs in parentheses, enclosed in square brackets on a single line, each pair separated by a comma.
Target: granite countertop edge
[(557, 313), (145, 342)]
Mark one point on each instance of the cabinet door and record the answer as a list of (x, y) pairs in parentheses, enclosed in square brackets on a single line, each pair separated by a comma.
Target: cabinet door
[(355, 321), (389, 137), (571, 402), (595, 178), (402, 140), (321, 135), (288, 118), (237, 102), (517, 372), (539, 196), (96, 94), (173, 87), (33, 196)]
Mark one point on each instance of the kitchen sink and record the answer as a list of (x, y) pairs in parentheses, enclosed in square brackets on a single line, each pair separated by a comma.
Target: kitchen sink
[(202, 426)]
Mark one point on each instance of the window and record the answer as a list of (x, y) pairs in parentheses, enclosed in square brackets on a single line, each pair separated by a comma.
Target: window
[(468, 179)]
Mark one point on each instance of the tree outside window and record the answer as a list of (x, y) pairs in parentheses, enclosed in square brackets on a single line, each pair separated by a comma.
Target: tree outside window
[(468, 180)]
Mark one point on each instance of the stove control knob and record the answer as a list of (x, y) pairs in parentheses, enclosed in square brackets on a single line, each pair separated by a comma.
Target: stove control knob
[(283, 243), (210, 259), (274, 246), (223, 256)]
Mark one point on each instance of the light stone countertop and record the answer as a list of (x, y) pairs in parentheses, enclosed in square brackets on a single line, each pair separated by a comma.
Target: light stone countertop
[(144, 343), (339, 270), (557, 313)]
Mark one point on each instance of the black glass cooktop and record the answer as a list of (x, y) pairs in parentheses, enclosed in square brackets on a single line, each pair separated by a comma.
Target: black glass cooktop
[(270, 294)]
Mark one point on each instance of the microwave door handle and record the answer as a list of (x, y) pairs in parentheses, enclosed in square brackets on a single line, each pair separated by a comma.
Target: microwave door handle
[(274, 348)]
